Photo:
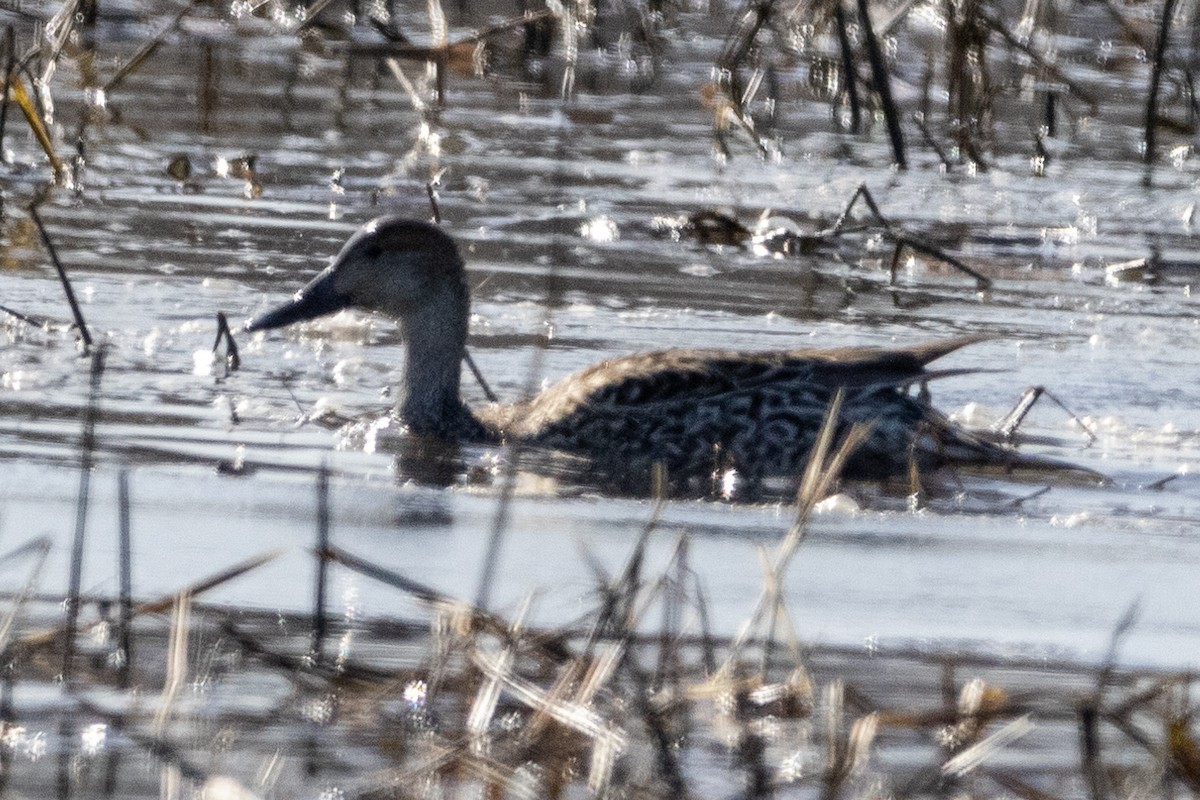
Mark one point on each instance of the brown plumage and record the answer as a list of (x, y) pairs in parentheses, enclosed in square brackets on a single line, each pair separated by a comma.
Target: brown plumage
[(693, 411)]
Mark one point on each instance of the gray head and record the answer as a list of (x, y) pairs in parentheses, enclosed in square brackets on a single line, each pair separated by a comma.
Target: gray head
[(400, 267)]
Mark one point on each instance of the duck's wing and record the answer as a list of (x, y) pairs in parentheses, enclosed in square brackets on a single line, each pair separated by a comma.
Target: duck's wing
[(658, 379), (862, 367)]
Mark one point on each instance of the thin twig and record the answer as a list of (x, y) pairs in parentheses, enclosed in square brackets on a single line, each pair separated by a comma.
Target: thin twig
[(147, 49), (431, 190), (999, 27), (902, 238), (1160, 55), (849, 73), (125, 579), (37, 323), (982, 281), (1007, 426), (320, 624), (62, 276), (310, 14), (919, 119), (47, 637), (40, 546), (552, 645), (87, 448), (10, 49), (232, 359), (882, 82), (487, 390)]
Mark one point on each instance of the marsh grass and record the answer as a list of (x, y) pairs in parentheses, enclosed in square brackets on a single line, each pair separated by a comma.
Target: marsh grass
[(172, 697), (453, 701)]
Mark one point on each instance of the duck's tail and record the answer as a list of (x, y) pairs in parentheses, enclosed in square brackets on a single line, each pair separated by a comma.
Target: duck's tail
[(942, 443)]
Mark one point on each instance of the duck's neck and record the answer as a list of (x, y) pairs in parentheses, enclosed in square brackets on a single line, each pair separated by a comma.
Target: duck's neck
[(429, 401)]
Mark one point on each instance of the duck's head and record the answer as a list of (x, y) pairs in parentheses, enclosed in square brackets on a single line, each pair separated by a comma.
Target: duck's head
[(396, 266)]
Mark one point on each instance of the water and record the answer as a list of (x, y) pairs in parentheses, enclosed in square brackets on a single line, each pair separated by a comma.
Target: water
[(555, 205)]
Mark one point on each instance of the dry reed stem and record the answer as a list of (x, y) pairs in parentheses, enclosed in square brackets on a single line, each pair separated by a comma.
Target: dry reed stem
[(573, 715), (41, 547), (232, 360), (821, 472), (1184, 751), (779, 613), (48, 243), (414, 97), (50, 636), (10, 60), (177, 658), (972, 757), (470, 618), (57, 31), (496, 670), (479, 719), (563, 685), (25, 103), (1156, 72), (837, 755), (997, 25), (882, 81), (147, 49)]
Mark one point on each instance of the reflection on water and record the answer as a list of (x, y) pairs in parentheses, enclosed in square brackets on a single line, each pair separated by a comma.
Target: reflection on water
[(555, 204)]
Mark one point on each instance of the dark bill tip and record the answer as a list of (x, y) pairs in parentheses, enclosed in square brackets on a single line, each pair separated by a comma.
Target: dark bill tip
[(315, 300)]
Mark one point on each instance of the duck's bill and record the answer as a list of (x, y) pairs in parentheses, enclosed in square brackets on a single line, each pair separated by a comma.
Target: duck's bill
[(315, 300)]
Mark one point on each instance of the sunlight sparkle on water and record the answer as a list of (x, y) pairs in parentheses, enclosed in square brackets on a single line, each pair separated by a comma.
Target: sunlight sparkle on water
[(95, 97), (93, 738), (318, 709), (792, 767), (18, 739), (600, 229), (13, 736), (837, 504), (202, 362), (344, 647), (415, 693), (351, 604), (729, 481)]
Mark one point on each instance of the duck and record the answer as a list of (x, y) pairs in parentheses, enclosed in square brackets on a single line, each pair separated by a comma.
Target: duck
[(691, 412)]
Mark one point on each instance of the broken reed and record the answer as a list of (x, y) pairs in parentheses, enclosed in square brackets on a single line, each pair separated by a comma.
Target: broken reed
[(981, 37), (473, 700)]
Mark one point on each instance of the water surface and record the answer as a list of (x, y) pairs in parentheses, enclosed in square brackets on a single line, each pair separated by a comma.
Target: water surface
[(555, 204)]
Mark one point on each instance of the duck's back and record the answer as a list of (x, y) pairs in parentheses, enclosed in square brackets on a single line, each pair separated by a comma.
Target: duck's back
[(696, 411)]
